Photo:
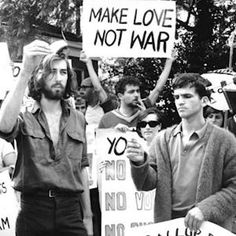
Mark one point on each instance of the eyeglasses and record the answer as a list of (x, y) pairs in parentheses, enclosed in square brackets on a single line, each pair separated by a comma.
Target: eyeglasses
[(85, 86), (152, 124)]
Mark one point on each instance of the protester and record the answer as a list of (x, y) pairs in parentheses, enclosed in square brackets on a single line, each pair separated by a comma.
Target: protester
[(128, 92), (192, 165), (149, 124), (80, 104), (231, 124), (97, 103), (51, 145), (214, 116), (91, 90), (7, 156)]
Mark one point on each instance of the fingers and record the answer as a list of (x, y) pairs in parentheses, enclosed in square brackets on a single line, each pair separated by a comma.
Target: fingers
[(83, 57), (37, 47), (134, 151), (194, 219), (140, 105), (102, 165), (122, 128)]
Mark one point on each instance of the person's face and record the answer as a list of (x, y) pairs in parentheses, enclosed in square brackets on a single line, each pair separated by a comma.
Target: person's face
[(216, 118), (188, 103), (86, 90), (131, 96), (55, 83), (81, 107), (149, 126)]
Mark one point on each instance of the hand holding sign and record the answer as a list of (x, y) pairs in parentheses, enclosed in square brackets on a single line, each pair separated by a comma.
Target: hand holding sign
[(135, 152), (194, 219), (33, 53), (83, 57)]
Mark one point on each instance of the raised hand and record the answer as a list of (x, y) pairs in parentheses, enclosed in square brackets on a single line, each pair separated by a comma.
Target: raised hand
[(33, 53), (135, 152), (84, 58)]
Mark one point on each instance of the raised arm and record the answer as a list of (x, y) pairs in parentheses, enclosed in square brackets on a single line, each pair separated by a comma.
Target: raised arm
[(10, 109), (154, 94), (94, 78)]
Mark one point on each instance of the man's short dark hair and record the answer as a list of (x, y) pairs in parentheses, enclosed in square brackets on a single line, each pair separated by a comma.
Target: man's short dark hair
[(126, 80), (44, 69), (192, 80)]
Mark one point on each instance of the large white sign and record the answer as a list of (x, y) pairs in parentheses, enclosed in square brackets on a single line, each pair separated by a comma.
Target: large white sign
[(128, 28), (122, 206), (8, 206), (6, 78), (219, 82), (176, 228)]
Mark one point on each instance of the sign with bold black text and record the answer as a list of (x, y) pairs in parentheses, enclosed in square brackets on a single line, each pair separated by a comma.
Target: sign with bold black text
[(128, 28)]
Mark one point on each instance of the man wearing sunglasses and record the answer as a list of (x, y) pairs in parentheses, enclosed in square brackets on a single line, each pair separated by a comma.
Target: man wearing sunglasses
[(192, 165)]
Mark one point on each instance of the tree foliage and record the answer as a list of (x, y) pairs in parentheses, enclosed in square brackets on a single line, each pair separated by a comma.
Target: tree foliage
[(201, 38), (202, 46), (22, 17)]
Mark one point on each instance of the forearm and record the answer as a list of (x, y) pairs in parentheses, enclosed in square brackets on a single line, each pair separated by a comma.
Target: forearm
[(144, 176), (219, 206), (86, 205), (161, 81), (95, 81), (85, 196), (11, 106)]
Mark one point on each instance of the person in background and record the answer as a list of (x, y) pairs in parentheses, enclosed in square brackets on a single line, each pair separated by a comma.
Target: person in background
[(7, 156), (97, 99), (231, 124), (214, 116), (97, 102), (149, 124), (7, 152), (50, 169), (80, 104), (192, 165), (128, 92)]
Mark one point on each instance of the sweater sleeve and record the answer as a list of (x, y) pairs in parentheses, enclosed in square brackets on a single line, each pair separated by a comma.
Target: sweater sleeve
[(222, 204), (144, 176)]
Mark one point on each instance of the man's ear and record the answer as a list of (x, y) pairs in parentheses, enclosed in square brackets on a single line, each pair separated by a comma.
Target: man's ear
[(120, 95), (205, 101)]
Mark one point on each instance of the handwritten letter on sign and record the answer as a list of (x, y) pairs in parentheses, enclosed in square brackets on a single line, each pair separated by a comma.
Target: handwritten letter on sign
[(122, 206), (176, 228), (128, 28), (8, 206)]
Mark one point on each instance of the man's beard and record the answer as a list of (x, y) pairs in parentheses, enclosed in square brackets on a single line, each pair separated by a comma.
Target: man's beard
[(53, 94)]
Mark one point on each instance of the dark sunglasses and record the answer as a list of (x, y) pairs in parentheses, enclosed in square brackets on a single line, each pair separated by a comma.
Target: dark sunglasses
[(152, 123), (85, 86)]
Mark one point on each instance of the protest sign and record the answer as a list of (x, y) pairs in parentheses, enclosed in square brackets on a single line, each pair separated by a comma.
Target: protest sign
[(92, 169), (176, 228), (122, 206), (8, 205), (128, 28), (220, 82), (6, 78)]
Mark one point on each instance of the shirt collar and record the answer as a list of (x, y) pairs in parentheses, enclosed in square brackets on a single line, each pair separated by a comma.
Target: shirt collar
[(200, 133), (65, 107)]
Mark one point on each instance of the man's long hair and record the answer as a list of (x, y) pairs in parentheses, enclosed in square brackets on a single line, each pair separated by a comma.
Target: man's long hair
[(43, 70)]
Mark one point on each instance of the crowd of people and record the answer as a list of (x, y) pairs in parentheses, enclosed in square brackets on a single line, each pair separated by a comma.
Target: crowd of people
[(191, 165)]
